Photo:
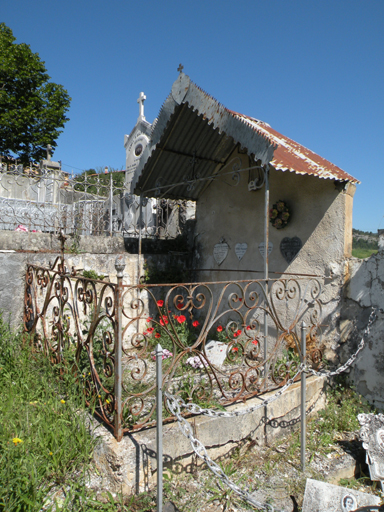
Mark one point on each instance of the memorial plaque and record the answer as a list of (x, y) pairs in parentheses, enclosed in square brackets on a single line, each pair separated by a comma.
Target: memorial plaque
[(323, 497), (290, 247), (240, 250), (220, 252), (262, 248), (216, 352), (372, 436)]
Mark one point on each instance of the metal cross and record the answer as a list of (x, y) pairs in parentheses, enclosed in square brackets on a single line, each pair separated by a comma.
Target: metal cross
[(49, 152), (180, 68), (140, 101)]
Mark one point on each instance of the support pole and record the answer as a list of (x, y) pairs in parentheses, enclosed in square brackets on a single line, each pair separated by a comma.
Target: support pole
[(110, 205), (303, 396), (266, 270), (159, 427), (119, 266)]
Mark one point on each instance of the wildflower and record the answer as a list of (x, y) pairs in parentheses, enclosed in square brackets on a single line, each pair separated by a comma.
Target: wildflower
[(238, 332), (235, 349), (255, 342), (157, 335), (107, 401), (181, 319), (98, 396), (219, 328), (16, 441), (163, 320), (160, 303), (235, 335), (150, 329), (195, 323), (62, 401), (249, 328), (179, 305), (240, 299), (50, 453), (145, 333), (149, 319)]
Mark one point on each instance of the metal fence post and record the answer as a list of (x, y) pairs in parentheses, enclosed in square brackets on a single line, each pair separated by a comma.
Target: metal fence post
[(119, 266), (303, 396), (159, 426)]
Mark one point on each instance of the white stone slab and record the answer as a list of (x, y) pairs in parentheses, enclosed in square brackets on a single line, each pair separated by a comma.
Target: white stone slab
[(240, 250), (372, 435), (216, 352), (323, 497), (262, 248), (220, 252)]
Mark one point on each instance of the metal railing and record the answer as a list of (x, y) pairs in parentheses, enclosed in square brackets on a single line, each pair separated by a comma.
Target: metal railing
[(107, 332), (34, 199)]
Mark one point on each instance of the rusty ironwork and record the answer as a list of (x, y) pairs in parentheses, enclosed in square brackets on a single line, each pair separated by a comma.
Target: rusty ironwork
[(107, 333)]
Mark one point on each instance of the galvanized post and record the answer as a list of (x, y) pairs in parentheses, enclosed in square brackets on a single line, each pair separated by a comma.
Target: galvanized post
[(110, 205), (303, 396), (159, 426), (266, 270), (119, 266)]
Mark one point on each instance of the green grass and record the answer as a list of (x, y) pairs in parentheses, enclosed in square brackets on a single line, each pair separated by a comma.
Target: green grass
[(363, 253), (45, 447)]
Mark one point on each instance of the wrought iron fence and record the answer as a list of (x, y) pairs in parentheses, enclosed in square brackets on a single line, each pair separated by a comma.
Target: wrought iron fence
[(34, 199), (223, 341)]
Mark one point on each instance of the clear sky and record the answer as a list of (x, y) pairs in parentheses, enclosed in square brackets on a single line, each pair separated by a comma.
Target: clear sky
[(312, 69)]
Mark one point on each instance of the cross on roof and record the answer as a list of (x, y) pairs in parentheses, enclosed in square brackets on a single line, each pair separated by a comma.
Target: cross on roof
[(180, 68), (140, 101), (49, 152)]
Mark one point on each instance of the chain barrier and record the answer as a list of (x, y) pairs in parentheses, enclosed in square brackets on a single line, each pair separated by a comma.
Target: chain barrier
[(176, 403), (341, 369), (201, 452)]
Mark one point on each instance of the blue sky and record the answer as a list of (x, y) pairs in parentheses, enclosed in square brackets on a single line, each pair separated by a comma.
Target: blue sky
[(312, 69)]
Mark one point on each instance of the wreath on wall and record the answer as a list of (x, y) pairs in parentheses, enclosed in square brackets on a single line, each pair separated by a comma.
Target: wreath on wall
[(279, 215)]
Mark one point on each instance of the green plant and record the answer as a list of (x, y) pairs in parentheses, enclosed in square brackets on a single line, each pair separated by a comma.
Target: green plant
[(92, 274)]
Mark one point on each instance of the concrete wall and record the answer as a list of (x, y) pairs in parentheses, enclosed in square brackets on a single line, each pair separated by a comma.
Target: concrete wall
[(363, 291), (321, 216), (17, 249), (130, 466)]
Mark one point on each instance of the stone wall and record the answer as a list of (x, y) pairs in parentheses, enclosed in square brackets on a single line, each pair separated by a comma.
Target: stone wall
[(364, 290)]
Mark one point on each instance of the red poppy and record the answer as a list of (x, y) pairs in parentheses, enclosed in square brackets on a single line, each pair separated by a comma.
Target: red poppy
[(181, 319), (255, 342), (235, 335), (145, 333), (157, 335), (235, 349), (149, 319), (219, 328), (249, 328), (150, 329), (238, 332), (160, 303), (195, 323), (179, 305)]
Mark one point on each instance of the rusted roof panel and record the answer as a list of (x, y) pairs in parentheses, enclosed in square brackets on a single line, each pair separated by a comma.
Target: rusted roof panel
[(292, 156)]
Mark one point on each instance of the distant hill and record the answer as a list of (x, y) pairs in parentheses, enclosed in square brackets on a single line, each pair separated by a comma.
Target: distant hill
[(364, 239)]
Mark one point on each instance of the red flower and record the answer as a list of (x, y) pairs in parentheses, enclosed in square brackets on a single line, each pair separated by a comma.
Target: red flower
[(238, 332), (240, 299), (181, 319), (235, 349), (249, 328), (150, 329), (235, 335), (145, 333), (219, 328), (179, 305), (255, 342), (195, 323), (157, 335), (149, 319), (160, 303), (163, 320)]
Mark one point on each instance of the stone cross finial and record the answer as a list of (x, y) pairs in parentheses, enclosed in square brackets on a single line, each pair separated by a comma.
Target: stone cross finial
[(49, 152), (180, 68), (140, 101)]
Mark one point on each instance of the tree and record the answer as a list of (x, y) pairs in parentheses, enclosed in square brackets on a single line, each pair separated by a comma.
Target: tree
[(32, 109)]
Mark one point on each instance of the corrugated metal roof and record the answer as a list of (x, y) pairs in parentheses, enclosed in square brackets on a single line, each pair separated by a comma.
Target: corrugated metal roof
[(194, 136), (193, 127), (292, 156)]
